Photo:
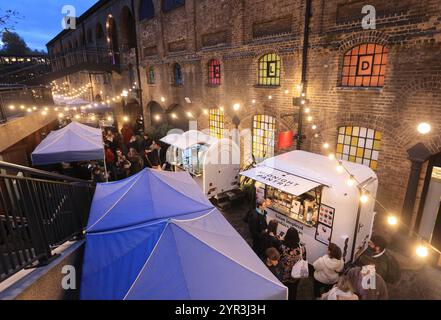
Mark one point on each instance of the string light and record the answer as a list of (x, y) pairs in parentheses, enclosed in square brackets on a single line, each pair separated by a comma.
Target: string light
[(340, 168), (307, 110), (205, 111), (331, 156), (326, 145), (364, 197), (422, 251), (270, 97), (11, 107), (392, 220), (162, 99), (125, 118), (314, 127), (424, 128), (157, 117), (309, 118), (253, 101), (236, 107), (174, 116), (351, 181)]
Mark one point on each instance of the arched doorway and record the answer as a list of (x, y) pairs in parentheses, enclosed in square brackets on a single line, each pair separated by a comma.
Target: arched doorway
[(128, 29), (112, 39), (133, 111), (157, 115)]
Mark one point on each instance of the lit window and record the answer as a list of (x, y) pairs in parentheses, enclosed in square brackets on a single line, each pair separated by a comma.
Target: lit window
[(168, 5), (146, 10), (269, 70), (365, 66), (151, 75), (214, 72), (360, 145), (264, 128), (216, 118), (177, 75)]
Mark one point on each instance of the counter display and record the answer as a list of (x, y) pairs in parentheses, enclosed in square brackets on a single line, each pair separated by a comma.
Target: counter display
[(303, 208)]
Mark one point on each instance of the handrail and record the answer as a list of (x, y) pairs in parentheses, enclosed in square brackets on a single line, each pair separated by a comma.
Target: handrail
[(41, 173)]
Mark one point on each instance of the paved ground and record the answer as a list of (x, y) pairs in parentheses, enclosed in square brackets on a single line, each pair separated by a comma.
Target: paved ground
[(418, 281)]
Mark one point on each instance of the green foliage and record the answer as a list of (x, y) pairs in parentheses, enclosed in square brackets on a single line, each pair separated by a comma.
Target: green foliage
[(14, 44), (159, 131)]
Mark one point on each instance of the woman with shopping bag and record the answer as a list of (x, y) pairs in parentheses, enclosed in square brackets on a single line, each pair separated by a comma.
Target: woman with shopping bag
[(293, 260)]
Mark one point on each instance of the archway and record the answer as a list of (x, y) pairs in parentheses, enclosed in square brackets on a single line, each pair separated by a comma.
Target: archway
[(133, 111), (157, 115), (128, 29)]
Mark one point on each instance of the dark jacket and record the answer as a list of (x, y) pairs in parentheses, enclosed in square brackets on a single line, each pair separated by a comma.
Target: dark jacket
[(277, 271), (380, 293), (267, 241), (257, 224)]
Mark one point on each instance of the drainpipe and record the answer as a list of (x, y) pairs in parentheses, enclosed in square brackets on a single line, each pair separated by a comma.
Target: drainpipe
[(300, 136), (418, 154)]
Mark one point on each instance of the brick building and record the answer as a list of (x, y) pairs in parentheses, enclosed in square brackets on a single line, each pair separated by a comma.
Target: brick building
[(366, 89)]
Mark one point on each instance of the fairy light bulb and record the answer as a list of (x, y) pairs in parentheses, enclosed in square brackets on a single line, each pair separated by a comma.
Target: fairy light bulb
[(331, 156), (351, 181), (364, 198), (422, 251), (392, 220), (339, 167)]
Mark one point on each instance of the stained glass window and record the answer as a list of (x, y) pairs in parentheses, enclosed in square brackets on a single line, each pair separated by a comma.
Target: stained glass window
[(269, 70), (151, 75), (214, 72), (146, 10), (168, 5), (360, 145), (365, 66), (216, 118), (177, 75), (264, 128)]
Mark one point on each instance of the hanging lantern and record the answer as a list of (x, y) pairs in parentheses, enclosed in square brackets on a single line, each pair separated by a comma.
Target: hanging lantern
[(286, 139)]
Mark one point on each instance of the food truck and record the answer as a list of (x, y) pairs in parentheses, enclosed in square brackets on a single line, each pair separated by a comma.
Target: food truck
[(213, 163), (307, 192)]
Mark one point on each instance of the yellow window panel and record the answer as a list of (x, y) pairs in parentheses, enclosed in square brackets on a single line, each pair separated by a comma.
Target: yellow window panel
[(352, 158), (377, 135), (341, 130), (377, 145), (374, 165), (348, 131), (339, 148), (360, 152), (354, 141)]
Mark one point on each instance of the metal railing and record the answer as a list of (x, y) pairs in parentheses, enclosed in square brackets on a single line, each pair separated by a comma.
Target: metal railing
[(38, 212)]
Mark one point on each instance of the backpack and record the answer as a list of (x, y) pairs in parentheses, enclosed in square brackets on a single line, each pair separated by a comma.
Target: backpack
[(393, 270)]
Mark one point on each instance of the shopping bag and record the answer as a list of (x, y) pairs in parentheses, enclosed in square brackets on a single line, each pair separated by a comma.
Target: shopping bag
[(300, 269)]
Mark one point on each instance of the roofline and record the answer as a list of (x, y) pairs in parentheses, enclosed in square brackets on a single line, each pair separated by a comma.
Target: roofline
[(84, 16)]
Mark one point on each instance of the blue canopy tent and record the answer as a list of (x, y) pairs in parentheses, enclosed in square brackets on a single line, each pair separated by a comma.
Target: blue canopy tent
[(74, 142), (154, 236)]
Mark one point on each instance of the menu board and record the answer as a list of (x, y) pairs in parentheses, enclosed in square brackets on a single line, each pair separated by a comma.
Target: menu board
[(325, 223), (326, 215)]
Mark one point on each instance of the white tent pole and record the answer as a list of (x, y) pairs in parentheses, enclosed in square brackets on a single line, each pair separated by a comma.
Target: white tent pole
[(104, 153)]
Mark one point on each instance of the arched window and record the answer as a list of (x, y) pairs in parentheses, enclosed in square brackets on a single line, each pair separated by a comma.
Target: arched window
[(264, 130), (177, 75), (89, 36), (364, 66), (146, 10), (151, 75), (358, 144), (214, 72), (269, 70), (216, 123), (168, 5), (99, 33)]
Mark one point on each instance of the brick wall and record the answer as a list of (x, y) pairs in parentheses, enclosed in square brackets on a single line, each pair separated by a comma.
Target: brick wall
[(238, 32)]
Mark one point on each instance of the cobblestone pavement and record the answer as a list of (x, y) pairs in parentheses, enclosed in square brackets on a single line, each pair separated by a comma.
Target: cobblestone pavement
[(418, 283)]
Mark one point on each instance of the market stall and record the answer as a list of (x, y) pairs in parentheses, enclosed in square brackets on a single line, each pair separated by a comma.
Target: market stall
[(155, 236), (213, 163), (308, 193)]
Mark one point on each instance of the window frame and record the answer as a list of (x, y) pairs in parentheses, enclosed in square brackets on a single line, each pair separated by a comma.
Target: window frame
[(262, 140), (177, 81), (264, 77), (148, 15), (170, 5), (216, 122), (151, 79), (214, 72), (364, 141), (351, 76)]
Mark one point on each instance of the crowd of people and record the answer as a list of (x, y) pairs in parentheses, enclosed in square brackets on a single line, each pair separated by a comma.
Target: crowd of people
[(333, 279), (127, 153)]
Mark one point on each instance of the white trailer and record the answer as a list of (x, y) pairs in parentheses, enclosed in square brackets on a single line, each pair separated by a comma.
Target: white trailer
[(213, 163), (309, 194)]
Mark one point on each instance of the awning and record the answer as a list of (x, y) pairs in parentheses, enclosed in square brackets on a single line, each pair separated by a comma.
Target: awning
[(281, 180)]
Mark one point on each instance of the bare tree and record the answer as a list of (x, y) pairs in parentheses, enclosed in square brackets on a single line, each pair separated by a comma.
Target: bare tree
[(8, 19)]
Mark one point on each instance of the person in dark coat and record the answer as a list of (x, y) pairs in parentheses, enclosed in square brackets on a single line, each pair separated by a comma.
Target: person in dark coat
[(257, 224), (145, 142), (269, 237)]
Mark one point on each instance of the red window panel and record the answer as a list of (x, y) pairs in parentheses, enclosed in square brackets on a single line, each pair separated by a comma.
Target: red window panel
[(214, 72), (364, 66)]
